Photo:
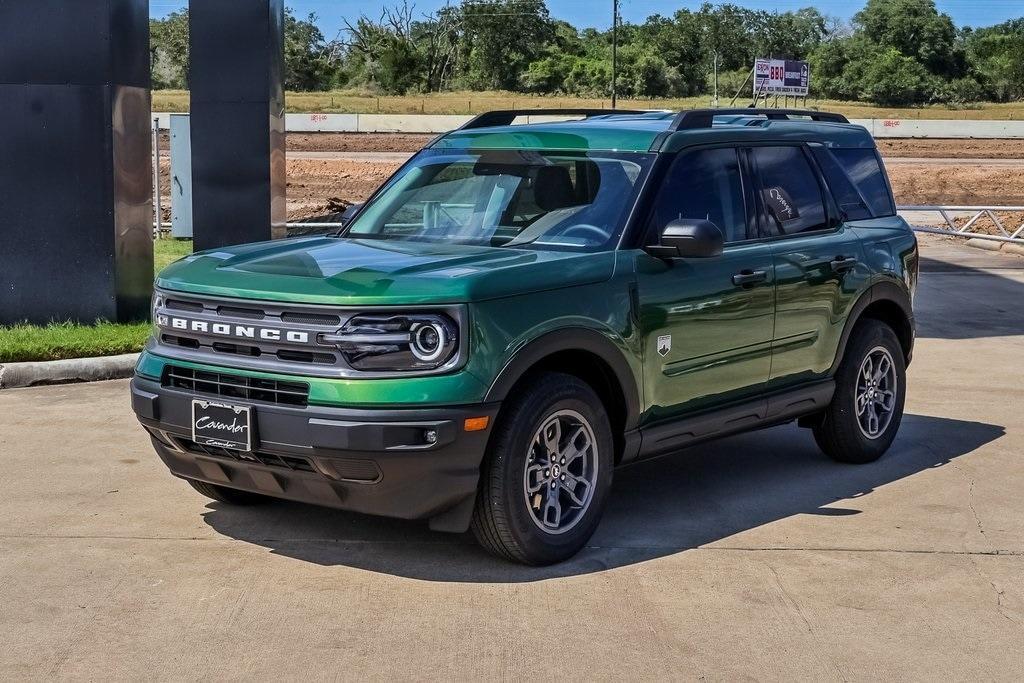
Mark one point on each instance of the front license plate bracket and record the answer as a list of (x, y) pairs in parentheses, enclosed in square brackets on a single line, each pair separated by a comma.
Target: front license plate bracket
[(222, 425)]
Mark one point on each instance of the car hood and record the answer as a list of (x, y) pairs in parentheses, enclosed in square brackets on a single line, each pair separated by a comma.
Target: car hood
[(353, 271)]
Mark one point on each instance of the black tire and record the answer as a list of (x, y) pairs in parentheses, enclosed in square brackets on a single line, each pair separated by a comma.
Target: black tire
[(225, 495), (839, 433), (503, 520)]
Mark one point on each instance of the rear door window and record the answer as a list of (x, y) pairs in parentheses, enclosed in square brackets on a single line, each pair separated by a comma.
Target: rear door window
[(846, 194), (865, 170), (790, 191)]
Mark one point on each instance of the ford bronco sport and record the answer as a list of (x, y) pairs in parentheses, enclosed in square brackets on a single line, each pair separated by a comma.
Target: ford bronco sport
[(521, 309)]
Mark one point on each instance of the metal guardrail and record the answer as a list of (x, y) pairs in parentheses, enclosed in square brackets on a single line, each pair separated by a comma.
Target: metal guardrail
[(974, 215)]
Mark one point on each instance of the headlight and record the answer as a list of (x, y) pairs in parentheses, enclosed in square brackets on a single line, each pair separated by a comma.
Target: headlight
[(383, 342)]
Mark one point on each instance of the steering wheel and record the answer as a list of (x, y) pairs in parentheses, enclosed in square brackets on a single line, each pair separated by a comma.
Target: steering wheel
[(590, 230)]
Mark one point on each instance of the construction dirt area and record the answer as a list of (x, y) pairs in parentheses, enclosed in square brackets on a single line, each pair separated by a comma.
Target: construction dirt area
[(921, 171)]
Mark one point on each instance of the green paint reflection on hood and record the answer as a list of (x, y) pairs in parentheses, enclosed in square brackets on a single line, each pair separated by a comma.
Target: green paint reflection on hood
[(378, 272)]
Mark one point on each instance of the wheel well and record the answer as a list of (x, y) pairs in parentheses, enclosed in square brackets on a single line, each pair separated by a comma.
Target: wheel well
[(595, 371), (890, 313)]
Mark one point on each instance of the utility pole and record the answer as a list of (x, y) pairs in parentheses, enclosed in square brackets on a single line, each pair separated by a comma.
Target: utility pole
[(715, 103), (615, 50)]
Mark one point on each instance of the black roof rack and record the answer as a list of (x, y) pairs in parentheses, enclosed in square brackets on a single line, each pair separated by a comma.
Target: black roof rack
[(704, 118), (504, 117)]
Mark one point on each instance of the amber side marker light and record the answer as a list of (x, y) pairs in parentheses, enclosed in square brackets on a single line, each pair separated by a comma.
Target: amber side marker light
[(475, 424)]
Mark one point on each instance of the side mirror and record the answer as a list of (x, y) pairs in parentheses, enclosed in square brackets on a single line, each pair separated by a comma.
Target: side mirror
[(350, 211), (689, 238)]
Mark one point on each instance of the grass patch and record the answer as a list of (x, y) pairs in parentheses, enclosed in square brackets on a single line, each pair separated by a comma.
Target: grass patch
[(71, 340), (349, 102), (68, 340), (167, 251)]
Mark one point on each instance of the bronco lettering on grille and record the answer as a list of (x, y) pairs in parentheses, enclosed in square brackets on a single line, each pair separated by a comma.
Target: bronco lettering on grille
[(232, 330)]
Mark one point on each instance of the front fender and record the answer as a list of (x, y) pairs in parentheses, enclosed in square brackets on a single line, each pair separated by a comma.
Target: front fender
[(571, 339)]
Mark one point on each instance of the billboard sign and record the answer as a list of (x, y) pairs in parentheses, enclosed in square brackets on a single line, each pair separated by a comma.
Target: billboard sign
[(781, 77)]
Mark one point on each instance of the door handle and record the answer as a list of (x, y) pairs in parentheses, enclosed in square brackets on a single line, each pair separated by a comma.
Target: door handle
[(749, 277), (841, 264)]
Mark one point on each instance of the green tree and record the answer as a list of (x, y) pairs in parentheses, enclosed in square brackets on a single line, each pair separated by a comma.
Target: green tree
[(500, 39), (168, 51), (310, 64), (893, 79), (996, 57), (916, 29)]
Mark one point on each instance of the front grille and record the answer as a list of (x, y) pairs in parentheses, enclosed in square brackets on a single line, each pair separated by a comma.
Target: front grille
[(311, 319), (179, 305), (269, 459), (248, 313), (236, 386), (213, 329)]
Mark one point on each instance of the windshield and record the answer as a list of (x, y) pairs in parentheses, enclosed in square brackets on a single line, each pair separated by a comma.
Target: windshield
[(507, 198)]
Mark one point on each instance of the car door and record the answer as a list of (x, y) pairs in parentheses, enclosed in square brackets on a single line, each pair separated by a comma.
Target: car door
[(706, 323), (818, 262)]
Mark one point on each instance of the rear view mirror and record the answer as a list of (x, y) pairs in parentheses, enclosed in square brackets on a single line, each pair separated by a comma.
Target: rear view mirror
[(689, 238)]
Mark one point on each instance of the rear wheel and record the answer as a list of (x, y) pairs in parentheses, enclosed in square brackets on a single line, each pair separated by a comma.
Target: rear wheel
[(225, 495), (547, 474), (864, 416)]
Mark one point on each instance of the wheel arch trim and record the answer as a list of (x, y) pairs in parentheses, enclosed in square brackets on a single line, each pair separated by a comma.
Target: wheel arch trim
[(886, 291), (570, 339)]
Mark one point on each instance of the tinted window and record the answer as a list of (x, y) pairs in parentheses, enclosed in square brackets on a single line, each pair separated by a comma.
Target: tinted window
[(846, 194), (865, 170), (704, 185), (789, 190)]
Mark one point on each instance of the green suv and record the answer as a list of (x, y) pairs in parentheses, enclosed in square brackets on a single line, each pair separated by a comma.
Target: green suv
[(521, 309)]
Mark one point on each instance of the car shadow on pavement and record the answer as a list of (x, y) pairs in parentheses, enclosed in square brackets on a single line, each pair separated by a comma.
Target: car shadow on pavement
[(657, 508)]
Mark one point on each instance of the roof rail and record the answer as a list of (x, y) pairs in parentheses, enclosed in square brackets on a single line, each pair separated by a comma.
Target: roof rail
[(704, 118), (504, 117)]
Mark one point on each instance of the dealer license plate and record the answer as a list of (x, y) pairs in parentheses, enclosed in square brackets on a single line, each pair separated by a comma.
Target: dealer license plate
[(222, 425)]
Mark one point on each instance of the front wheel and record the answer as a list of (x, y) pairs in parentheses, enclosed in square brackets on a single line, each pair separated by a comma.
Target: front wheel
[(864, 416), (547, 474)]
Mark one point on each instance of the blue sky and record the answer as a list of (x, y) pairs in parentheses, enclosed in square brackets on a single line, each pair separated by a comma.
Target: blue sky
[(598, 13)]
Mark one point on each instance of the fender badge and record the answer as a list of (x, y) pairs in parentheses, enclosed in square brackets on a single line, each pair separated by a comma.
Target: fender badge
[(664, 344)]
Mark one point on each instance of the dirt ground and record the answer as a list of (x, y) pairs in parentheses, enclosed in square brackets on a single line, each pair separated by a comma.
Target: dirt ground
[(924, 184), (320, 186), (967, 149)]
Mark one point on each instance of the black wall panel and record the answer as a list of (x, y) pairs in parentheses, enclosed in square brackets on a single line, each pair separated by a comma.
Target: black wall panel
[(237, 121), (75, 180)]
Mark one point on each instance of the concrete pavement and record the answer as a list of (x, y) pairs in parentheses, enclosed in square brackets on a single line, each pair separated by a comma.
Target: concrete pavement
[(752, 557)]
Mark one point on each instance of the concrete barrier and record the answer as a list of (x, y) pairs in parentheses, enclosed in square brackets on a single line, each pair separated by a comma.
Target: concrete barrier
[(321, 123), (440, 123), (409, 123), (936, 128)]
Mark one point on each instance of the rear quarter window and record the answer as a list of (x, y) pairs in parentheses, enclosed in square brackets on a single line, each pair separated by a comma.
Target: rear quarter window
[(864, 168)]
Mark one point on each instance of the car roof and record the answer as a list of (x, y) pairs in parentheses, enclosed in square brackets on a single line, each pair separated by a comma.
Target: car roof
[(650, 132)]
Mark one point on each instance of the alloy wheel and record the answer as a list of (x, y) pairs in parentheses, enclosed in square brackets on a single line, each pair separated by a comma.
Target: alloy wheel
[(561, 471), (875, 394)]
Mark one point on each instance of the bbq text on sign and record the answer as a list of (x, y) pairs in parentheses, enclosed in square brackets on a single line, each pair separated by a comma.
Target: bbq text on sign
[(781, 77)]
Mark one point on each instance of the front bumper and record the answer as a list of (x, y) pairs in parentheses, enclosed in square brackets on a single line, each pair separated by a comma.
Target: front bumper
[(370, 461)]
